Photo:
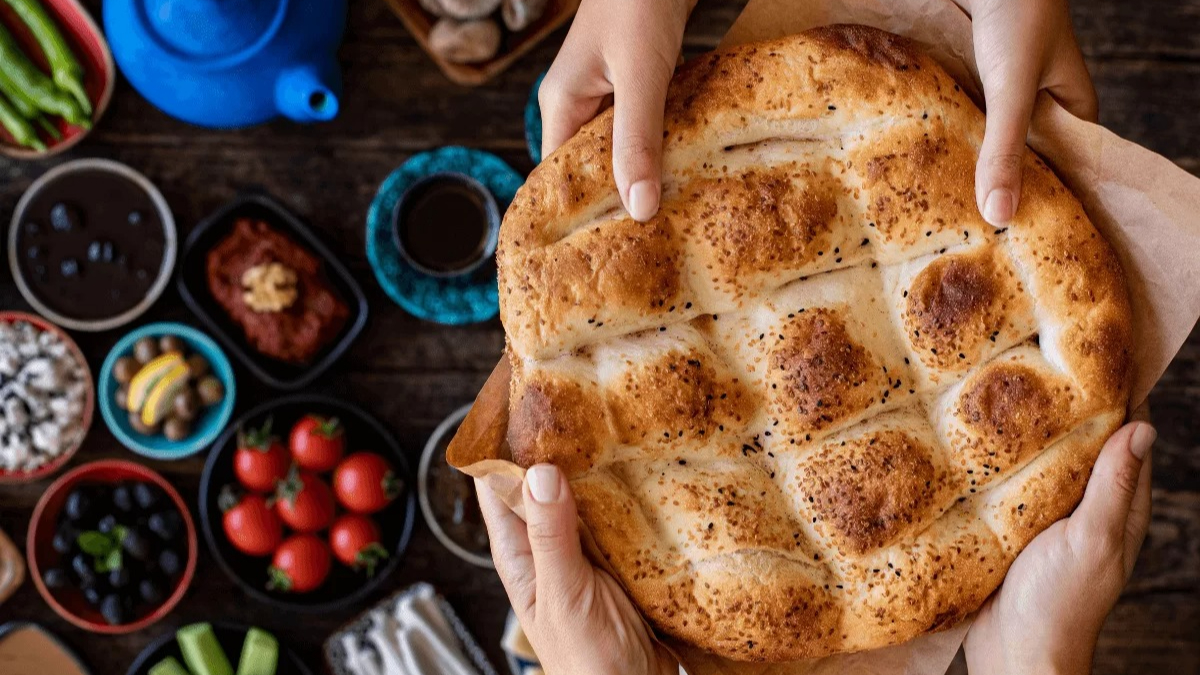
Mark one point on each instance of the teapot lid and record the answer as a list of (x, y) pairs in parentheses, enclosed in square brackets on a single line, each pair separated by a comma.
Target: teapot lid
[(209, 29)]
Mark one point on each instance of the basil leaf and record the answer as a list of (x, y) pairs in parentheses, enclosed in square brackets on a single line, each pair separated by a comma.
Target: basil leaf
[(118, 535), (111, 561), (95, 544)]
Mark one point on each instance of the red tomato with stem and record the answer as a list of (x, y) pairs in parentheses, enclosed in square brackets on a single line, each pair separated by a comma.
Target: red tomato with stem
[(249, 522), (317, 443), (304, 502), (365, 483), (355, 542), (261, 461), (301, 564)]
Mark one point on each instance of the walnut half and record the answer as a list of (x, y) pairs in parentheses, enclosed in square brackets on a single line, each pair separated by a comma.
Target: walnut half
[(269, 288)]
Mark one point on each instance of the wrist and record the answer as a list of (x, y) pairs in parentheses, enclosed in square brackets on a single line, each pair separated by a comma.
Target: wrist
[(1071, 656)]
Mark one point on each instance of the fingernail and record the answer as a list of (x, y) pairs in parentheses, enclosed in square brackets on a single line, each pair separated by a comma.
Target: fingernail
[(643, 200), (998, 207), (1143, 438), (543, 483)]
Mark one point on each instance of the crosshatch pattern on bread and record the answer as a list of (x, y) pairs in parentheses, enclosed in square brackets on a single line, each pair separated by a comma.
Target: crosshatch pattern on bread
[(817, 404)]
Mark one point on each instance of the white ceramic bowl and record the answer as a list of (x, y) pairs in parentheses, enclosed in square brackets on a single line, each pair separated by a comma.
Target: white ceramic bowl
[(427, 456), (170, 244)]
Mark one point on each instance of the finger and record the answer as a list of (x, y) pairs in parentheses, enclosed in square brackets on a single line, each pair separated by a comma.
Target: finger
[(639, 97), (1110, 492), (569, 97), (561, 569), (510, 548), (1070, 83), (1009, 89), (1138, 522)]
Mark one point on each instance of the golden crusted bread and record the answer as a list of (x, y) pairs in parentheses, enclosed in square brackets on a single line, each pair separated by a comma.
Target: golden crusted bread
[(817, 404)]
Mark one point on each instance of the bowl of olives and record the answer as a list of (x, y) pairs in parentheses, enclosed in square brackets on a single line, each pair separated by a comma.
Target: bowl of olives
[(166, 391), (111, 546)]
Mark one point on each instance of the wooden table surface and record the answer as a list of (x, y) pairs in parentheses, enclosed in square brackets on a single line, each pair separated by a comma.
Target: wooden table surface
[(1145, 58)]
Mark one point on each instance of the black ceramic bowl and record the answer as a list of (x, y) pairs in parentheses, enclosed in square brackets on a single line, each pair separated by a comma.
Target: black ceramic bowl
[(229, 635), (344, 587), (193, 286)]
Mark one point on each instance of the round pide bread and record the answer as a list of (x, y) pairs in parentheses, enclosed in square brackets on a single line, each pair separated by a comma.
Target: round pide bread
[(816, 404)]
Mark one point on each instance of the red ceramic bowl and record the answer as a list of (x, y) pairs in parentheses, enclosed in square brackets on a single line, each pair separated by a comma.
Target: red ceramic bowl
[(41, 555), (89, 403), (91, 50)]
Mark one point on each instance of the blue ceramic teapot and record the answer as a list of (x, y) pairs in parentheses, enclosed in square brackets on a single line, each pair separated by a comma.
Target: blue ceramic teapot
[(231, 63)]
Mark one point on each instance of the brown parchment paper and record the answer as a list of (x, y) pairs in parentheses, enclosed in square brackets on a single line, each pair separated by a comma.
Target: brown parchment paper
[(1147, 208)]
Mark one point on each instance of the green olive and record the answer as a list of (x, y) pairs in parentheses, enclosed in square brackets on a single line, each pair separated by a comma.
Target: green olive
[(171, 343), (135, 421), (211, 391), (186, 405), (145, 350), (125, 368), (176, 429), (197, 366)]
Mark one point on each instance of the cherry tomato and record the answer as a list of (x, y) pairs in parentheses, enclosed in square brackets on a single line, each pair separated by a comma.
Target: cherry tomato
[(317, 443), (304, 502), (260, 460), (300, 565), (365, 483), (354, 539), (250, 523)]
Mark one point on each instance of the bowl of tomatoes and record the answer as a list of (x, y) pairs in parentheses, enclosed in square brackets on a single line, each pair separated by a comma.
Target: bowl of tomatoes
[(307, 502)]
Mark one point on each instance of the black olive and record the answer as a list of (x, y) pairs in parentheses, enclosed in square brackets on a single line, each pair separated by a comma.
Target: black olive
[(166, 524), (170, 562), (145, 494), (134, 218), (32, 228), (119, 578), (136, 545), (63, 218), (107, 251), (34, 252), (55, 577), (122, 498), (64, 538), (150, 591), (93, 251), (41, 272), (69, 268), (78, 505), (113, 610), (81, 564), (107, 524), (92, 595)]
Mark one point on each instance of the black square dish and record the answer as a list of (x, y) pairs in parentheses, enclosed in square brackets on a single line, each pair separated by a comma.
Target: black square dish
[(193, 286)]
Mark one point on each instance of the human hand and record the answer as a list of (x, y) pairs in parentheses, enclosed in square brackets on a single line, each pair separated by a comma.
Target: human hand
[(1047, 615), (626, 49), (577, 617), (1021, 47)]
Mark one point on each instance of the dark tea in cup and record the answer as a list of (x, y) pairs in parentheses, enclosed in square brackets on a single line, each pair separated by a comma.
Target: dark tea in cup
[(446, 224)]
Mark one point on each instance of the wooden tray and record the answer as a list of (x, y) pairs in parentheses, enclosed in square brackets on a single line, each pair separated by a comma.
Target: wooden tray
[(419, 23)]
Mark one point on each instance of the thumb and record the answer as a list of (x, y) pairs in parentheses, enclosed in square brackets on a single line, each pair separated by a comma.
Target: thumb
[(639, 99), (561, 569), (1009, 90), (1116, 480)]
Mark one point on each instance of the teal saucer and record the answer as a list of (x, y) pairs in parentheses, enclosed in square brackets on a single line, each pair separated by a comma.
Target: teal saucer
[(471, 298)]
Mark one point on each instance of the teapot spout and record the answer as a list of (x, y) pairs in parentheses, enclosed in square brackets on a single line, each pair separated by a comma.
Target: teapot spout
[(308, 93)]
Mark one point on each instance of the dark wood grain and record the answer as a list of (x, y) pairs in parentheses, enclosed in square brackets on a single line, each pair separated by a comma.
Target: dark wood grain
[(1146, 60)]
